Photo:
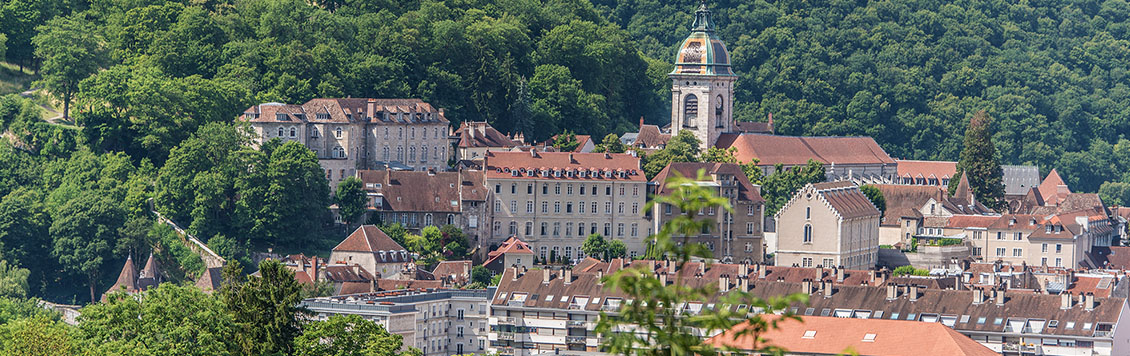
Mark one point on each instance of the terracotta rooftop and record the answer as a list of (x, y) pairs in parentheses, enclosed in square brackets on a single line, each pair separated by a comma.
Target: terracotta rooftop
[(346, 110), (368, 238), (746, 190), (1113, 257), (1053, 189), (511, 246), (127, 279), (927, 169), (566, 166), (482, 134), (457, 271), (845, 198), (794, 150), (650, 136), (905, 200), (821, 335), (416, 191)]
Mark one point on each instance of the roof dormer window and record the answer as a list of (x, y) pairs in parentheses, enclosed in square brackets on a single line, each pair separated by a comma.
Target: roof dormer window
[(323, 116), (281, 117)]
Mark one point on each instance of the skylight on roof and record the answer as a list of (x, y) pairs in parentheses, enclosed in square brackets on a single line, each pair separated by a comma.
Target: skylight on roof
[(809, 334), (869, 338)]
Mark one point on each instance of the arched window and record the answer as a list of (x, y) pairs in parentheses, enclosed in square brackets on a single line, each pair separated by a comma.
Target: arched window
[(807, 233), (435, 152), (451, 219), (384, 154), (690, 110), (424, 152), (718, 108), (428, 219), (513, 228), (411, 154), (337, 133), (314, 132), (399, 154), (281, 132), (293, 132), (339, 152)]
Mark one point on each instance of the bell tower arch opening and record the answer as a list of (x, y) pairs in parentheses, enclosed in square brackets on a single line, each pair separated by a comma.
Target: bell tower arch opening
[(702, 94)]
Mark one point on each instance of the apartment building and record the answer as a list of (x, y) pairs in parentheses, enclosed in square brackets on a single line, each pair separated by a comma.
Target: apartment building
[(828, 224), (420, 199), (439, 322), (535, 311), (736, 237), (554, 200), (348, 134)]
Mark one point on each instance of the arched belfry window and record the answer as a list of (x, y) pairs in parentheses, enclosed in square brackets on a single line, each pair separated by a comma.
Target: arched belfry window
[(719, 107), (690, 110)]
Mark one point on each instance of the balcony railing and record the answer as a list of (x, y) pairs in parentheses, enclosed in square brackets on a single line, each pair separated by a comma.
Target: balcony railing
[(506, 320), (506, 336), (1033, 349), (576, 307), (574, 339), (1104, 333), (575, 323)]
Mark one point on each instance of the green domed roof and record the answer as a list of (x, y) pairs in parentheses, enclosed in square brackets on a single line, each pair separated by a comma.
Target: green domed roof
[(702, 53)]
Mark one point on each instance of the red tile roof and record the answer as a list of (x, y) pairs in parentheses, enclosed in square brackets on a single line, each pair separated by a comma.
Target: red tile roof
[(905, 200), (457, 271), (926, 169), (415, 191), (747, 190), (127, 279), (971, 221), (846, 198), (542, 165), (481, 134), (651, 137), (368, 238), (1053, 189), (793, 150), (512, 246), (833, 336), (343, 110)]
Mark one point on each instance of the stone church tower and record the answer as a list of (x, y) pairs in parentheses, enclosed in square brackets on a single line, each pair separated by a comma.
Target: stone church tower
[(702, 84)]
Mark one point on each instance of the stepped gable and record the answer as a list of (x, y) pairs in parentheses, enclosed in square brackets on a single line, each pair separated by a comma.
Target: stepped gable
[(846, 198), (368, 238)]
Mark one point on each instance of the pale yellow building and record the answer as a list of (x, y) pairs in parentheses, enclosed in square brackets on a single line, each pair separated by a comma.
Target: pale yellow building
[(828, 224)]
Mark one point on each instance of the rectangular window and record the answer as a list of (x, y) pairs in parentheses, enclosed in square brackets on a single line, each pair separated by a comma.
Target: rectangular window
[(557, 207), (581, 207), (582, 189), (593, 206), (1058, 248), (513, 206), (530, 189), (608, 190), (1016, 252), (497, 206), (1000, 251), (635, 230), (620, 230), (1044, 248), (544, 207), (607, 229), (749, 228), (529, 206), (513, 189), (569, 189), (568, 208)]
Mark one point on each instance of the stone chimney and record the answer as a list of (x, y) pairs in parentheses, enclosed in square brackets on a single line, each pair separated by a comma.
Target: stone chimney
[(663, 278), (514, 273), (1089, 301), (743, 269), (1066, 300), (568, 275), (723, 283), (913, 292), (545, 275), (978, 295), (762, 270), (827, 287), (743, 283), (370, 108), (892, 292), (600, 277), (999, 296), (806, 286), (839, 273)]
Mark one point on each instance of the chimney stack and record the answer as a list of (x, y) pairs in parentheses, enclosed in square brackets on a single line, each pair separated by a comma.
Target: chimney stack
[(839, 274), (913, 292), (743, 283), (978, 295), (827, 287), (513, 273), (1089, 301), (762, 270), (663, 278), (600, 277), (369, 109), (1065, 300), (999, 296), (806, 286), (892, 292), (545, 275), (723, 283), (743, 269), (568, 275), (314, 264)]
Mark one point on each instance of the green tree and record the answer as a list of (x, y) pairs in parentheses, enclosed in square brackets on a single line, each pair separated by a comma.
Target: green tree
[(610, 144), (876, 196), (566, 141), (909, 271), (24, 237), (169, 319), (718, 155), (1112, 194), (594, 246), (455, 244), (615, 249), (37, 336), (351, 199), (84, 233), (779, 187), (684, 147), (13, 280), (264, 307), (71, 50), (979, 160), (661, 328), (481, 275), (396, 232), (348, 335), (288, 201)]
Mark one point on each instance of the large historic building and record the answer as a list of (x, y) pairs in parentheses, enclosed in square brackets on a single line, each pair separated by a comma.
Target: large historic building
[(736, 237), (348, 134)]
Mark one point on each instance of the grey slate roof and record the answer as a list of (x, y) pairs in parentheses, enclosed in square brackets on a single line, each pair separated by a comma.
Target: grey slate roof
[(1019, 179)]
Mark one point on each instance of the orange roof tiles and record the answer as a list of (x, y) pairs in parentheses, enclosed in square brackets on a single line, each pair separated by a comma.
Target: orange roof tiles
[(563, 166), (926, 169), (368, 238), (832, 336), (793, 150)]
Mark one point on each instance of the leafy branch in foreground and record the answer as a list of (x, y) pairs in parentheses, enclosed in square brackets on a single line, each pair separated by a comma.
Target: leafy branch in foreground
[(656, 321)]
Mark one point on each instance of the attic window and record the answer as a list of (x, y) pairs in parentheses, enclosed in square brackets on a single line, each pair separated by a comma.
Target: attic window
[(549, 298), (809, 334), (1053, 323), (323, 116), (281, 116), (869, 338)]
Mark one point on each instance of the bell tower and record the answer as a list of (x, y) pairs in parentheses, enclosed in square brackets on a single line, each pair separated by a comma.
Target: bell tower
[(702, 84)]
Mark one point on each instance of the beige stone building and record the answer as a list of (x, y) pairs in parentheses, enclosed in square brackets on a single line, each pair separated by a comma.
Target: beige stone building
[(372, 250), (733, 238), (828, 224), (554, 200), (348, 134), (421, 199)]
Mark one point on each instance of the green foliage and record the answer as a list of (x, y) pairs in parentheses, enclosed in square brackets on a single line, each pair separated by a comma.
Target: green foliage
[(396, 232), (23, 232), (662, 329), (84, 233), (349, 335), (12, 309), (1112, 194), (684, 147), (176, 258), (480, 274), (566, 141), (170, 319), (979, 159), (455, 244), (876, 196), (264, 307), (718, 155), (13, 280), (779, 187), (351, 199), (39, 335), (596, 246), (71, 49), (910, 271), (610, 144)]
